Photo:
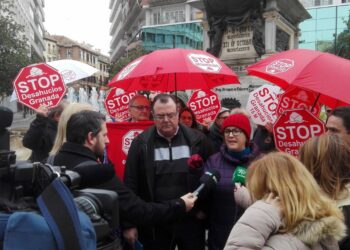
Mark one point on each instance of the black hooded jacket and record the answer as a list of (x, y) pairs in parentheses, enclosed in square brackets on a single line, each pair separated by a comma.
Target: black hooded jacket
[(40, 137)]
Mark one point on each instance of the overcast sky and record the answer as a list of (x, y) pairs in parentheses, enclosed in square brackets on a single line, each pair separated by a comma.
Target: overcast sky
[(80, 20)]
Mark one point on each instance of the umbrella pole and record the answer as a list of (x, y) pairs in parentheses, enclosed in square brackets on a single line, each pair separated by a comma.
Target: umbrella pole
[(175, 86), (313, 106)]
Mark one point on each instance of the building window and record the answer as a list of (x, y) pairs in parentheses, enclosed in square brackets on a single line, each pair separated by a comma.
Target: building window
[(69, 53), (150, 37), (174, 15), (160, 38), (156, 18)]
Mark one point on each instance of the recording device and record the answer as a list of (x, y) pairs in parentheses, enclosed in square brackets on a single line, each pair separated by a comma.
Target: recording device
[(24, 181), (208, 181), (239, 175)]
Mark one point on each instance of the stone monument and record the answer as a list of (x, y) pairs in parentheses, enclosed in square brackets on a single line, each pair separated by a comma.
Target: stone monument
[(241, 32)]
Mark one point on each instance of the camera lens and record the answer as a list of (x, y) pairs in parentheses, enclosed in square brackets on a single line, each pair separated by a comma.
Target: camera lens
[(89, 205)]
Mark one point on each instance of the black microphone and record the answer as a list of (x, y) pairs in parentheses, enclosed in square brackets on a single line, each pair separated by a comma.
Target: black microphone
[(94, 174), (208, 180)]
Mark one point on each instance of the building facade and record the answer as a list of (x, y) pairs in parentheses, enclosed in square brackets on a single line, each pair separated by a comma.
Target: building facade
[(314, 3), (30, 14), (126, 18), (327, 22), (172, 24), (103, 65), (51, 48), (154, 24), (61, 47)]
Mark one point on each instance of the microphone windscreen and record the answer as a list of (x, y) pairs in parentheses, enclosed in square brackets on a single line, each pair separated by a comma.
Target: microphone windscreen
[(95, 174), (210, 178), (239, 175)]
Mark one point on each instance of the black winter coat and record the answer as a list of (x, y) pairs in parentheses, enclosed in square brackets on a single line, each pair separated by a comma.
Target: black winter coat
[(132, 208), (139, 171), (40, 137)]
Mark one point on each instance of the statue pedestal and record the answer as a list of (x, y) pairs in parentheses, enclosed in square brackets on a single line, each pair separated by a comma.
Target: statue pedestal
[(275, 30)]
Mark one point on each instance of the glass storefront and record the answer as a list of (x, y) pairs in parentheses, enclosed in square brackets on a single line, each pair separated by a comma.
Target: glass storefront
[(327, 22), (183, 35)]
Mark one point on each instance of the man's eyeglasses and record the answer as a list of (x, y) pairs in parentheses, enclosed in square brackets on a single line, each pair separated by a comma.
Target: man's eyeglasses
[(141, 107), (234, 132), (162, 116)]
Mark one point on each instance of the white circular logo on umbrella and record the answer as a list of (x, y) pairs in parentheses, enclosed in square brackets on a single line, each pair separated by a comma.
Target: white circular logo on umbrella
[(204, 62), (279, 66), (68, 75), (127, 70)]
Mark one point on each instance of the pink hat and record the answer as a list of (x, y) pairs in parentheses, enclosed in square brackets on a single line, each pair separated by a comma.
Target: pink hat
[(239, 121)]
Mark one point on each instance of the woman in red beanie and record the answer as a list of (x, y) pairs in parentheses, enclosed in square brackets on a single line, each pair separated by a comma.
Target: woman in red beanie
[(235, 151)]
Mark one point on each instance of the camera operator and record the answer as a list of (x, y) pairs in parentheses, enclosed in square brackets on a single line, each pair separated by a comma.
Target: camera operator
[(86, 135), (41, 134)]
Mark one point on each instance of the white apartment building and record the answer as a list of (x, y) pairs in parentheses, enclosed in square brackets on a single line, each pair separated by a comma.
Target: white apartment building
[(128, 17), (30, 14)]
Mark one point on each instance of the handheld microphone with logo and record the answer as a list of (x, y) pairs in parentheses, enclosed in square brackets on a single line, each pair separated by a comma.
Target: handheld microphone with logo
[(239, 175), (208, 181)]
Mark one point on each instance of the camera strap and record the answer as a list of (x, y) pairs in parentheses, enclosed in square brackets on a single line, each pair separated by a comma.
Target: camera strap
[(58, 208)]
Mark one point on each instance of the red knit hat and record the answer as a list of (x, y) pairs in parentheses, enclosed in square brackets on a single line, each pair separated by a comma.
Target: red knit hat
[(239, 121)]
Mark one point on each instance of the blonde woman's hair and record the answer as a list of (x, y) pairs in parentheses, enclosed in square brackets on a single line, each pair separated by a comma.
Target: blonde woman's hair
[(300, 196), (62, 124), (327, 157)]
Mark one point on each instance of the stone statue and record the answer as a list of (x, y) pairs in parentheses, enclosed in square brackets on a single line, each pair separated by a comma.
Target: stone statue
[(223, 13)]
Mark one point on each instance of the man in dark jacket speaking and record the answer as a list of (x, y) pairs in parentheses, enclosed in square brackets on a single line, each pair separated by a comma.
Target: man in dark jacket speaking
[(86, 139), (157, 170)]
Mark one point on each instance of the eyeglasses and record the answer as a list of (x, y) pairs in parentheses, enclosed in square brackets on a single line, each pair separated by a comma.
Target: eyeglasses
[(141, 107), (162, 116), (235, 132)]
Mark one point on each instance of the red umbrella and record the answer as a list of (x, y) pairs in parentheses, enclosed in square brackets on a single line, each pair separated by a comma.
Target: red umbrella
[(323, 73), (174, 69)]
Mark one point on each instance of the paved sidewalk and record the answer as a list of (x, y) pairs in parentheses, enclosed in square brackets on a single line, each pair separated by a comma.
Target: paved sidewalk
[(21, 123)]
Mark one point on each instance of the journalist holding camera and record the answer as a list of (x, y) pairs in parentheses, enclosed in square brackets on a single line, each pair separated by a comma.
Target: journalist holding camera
[(105, 198)]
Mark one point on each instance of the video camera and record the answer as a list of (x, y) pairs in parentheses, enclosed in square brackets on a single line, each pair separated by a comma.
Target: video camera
[(22, 182)]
